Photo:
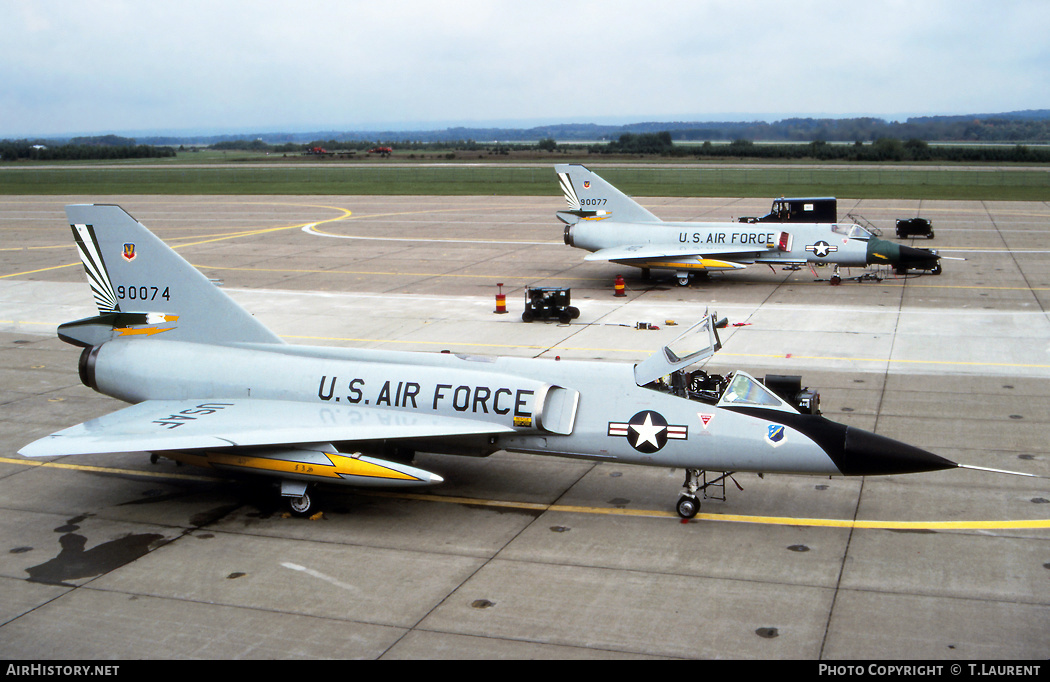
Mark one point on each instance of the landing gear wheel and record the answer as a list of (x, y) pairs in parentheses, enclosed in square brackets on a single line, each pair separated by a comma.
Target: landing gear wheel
[(836, 280), (688, 506), (300, 505)]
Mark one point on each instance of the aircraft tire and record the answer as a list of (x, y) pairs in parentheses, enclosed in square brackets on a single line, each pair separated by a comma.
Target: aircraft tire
[(687, 506), (300, 505)]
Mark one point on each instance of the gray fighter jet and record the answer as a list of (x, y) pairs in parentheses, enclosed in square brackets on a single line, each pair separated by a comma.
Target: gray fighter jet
[(211, 386), (615, 228)]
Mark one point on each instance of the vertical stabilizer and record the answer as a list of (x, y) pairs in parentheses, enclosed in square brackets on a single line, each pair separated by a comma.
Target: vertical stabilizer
[(591, 197), (143, 288)]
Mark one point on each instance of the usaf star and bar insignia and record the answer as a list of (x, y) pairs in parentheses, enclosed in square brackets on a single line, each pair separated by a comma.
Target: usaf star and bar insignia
[(822, 249), (648, 431)]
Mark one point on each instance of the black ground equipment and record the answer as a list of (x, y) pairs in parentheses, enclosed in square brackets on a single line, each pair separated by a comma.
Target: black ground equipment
[(546, 303), (919, 227)]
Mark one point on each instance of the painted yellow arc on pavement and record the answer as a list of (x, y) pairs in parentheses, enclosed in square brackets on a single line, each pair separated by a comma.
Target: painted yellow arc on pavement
[(344, 214), (1017, 524)]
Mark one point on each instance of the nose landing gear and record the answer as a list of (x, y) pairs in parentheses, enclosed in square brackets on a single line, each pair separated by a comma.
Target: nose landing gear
[(696, 482), (687, 506)]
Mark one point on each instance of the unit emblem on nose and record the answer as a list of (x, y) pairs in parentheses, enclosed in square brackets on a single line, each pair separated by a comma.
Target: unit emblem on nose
[(648, 431), (775, 434)]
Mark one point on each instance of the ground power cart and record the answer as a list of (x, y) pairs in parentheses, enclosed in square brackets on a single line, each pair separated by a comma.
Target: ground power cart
[(916, 227), (549, 303)]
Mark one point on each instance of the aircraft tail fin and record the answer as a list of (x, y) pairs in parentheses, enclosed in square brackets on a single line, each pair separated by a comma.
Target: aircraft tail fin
[(590, 197), (143, 288)]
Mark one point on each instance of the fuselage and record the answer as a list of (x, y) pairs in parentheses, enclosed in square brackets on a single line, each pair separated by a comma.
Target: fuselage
[(584, 409), (845, 244)]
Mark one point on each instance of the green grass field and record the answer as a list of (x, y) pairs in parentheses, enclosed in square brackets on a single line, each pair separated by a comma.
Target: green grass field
[(334, 178)]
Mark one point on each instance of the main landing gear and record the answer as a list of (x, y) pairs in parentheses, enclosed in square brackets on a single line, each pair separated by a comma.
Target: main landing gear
[(295, 493), (300, 505)]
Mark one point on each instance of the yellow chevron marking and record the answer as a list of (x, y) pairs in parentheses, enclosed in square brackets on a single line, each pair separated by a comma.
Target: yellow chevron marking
[(340, 465), (701, 264)]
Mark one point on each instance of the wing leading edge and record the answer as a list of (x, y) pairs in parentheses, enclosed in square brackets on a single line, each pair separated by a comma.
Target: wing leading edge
[(664, 251), (160, 425)]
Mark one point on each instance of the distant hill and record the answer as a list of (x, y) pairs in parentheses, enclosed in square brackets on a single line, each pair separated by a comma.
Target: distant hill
[(1031, 126)]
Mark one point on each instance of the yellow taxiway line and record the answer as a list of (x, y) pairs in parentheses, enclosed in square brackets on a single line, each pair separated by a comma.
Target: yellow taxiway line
[(1020, 524), (344, 214)]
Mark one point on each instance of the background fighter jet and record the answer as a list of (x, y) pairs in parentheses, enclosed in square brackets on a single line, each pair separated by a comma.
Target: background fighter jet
[(616, 228), (212, 386)]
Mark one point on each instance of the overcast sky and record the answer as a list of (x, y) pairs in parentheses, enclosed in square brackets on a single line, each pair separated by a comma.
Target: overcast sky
[(99, 66)]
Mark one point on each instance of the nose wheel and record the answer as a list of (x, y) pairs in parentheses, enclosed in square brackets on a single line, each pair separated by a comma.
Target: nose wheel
[(688, 506), (688, 503), (698, 481)]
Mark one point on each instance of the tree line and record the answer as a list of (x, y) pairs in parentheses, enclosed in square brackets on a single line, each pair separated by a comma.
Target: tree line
[(1022, 127), (882, 149), (84, 149), (663, 144)]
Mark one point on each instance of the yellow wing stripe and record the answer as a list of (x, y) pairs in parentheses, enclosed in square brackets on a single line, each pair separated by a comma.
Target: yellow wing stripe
[(701, 264), (338, 467)]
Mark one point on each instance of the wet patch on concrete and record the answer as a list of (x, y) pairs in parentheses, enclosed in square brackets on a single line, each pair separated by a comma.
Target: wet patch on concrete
[(75, 561)]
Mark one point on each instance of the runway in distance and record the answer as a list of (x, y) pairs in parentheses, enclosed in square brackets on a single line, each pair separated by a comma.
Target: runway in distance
[(212, 386), (613, 227)]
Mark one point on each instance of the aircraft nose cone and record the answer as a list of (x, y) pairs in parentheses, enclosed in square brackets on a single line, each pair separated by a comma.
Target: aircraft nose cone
[(881, 251), (865, 453), (911, 256)]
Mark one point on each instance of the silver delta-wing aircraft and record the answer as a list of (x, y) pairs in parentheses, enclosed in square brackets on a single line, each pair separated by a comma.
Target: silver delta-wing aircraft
[(211, 386), (615, 228)]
